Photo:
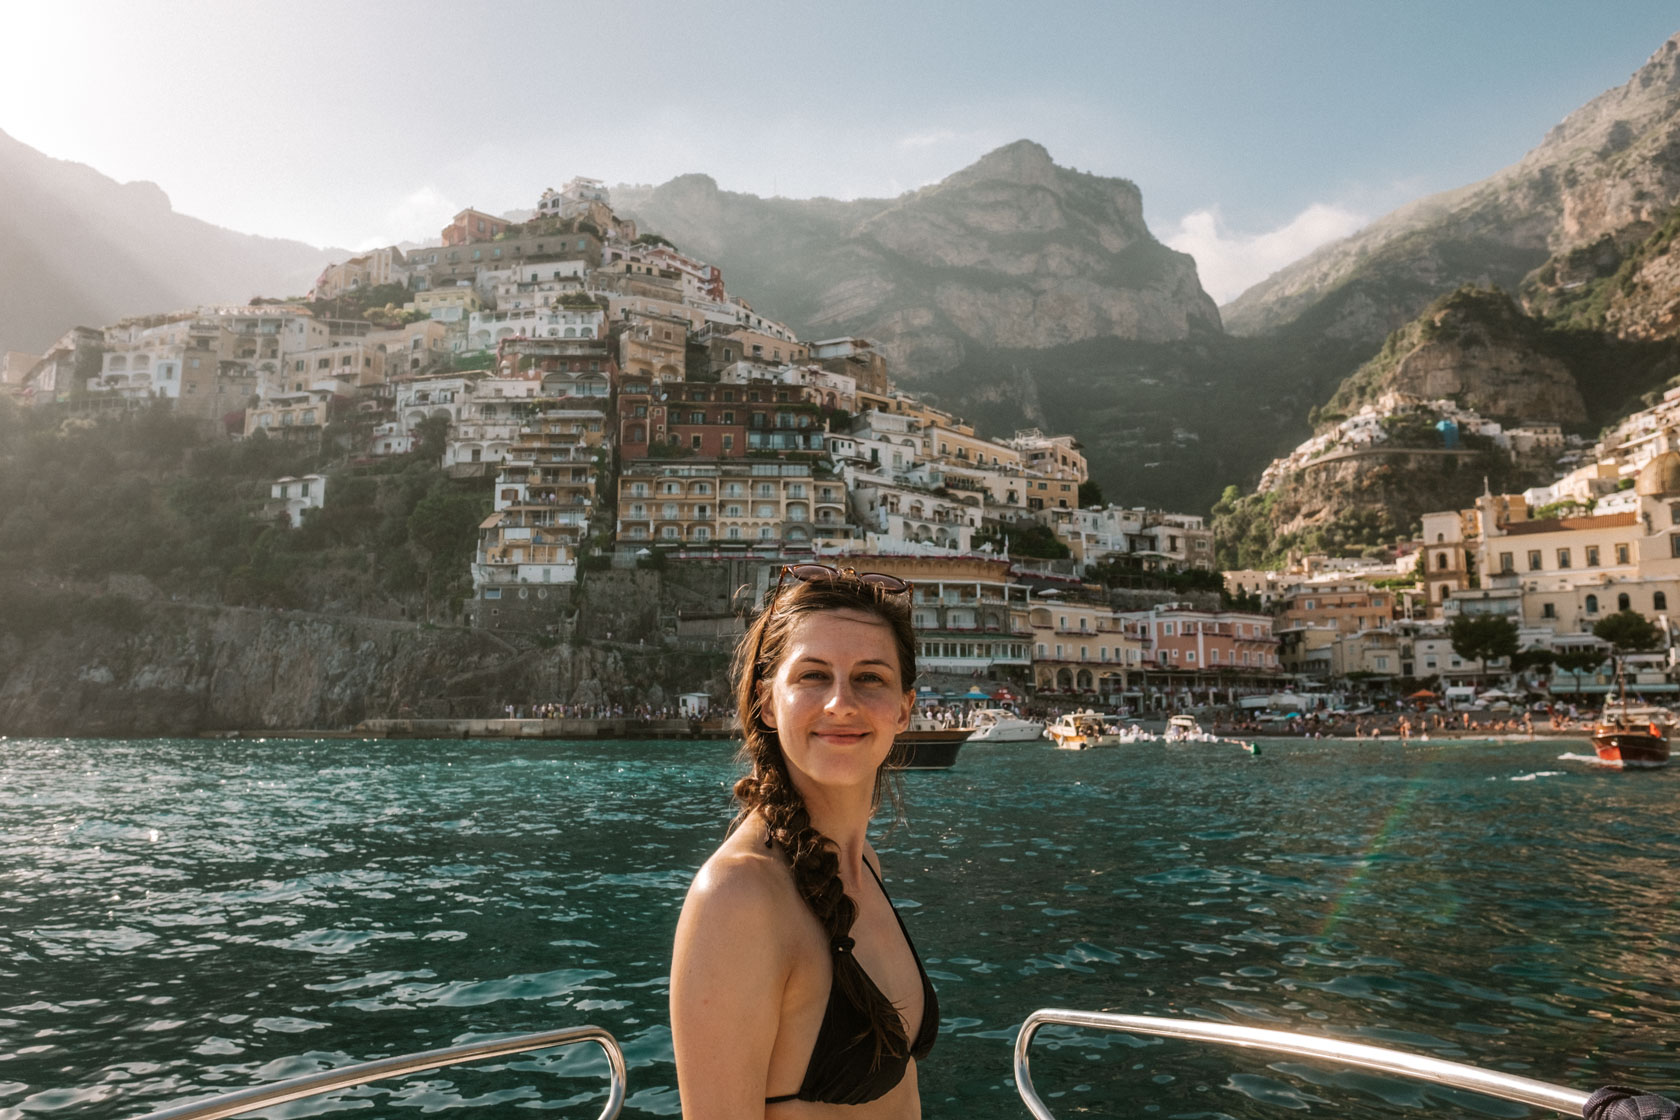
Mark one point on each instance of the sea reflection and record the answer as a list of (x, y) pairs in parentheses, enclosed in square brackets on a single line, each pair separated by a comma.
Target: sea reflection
[(179, 918)]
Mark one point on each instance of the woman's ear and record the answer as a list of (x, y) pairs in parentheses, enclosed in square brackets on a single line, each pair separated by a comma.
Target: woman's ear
[(904, 709), (765, 708)]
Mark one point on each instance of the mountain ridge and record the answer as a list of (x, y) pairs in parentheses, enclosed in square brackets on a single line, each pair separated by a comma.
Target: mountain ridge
[(1012, 251), (89, 250), (1611, 167)]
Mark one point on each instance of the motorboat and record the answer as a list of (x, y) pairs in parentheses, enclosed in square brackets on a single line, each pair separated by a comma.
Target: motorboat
[(1000, 725), (1185, 729), (1082, 730), (1631, 736), (928, 744)]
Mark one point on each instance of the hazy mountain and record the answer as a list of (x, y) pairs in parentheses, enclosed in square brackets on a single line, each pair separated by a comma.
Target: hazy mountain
[(81, 248), (1012, 252), (1609, 173)]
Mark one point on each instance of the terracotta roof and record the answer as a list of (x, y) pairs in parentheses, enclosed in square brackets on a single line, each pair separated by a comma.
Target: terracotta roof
[(1570, 524)]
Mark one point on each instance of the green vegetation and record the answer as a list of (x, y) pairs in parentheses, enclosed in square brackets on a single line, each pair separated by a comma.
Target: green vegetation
[(1483, 637), (1627, 631), (1035, 541), (149, 494), (1566, 507), (1576, 290), (357, 302)]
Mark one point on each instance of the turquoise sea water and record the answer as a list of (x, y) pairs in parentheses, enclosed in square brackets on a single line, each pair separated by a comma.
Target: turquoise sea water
[(182, 917)]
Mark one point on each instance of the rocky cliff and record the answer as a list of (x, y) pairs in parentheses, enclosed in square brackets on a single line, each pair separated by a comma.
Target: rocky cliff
[(1476, 348), (82, 249), (175, 669), (1611, 169), (1013, 252)]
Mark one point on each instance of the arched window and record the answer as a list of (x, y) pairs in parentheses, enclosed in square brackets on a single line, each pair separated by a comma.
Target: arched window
[(1659, 601), (1440, 538), (1622, 602), (1592, 604), (1441, 561)]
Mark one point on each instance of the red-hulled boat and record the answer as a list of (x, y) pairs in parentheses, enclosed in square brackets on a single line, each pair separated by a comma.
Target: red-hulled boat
[(1623, 740), (1629, 736)]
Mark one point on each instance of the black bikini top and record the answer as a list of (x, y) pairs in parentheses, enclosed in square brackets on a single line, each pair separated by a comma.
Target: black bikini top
[(843, 1067)]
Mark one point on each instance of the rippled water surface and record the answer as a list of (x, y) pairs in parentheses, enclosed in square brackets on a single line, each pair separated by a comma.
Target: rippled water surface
[(182, 917)]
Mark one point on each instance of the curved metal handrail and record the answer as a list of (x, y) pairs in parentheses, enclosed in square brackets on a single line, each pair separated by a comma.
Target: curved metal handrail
[(1459, 1076), (345, 1077)]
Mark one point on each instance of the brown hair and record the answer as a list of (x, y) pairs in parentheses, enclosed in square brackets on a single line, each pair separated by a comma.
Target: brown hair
[(768, 790)]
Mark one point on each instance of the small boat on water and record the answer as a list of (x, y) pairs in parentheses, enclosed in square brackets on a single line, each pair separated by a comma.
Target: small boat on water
[(1000, 725), (1185, 729), (928, 745), (1631, 736), (1082, 730)]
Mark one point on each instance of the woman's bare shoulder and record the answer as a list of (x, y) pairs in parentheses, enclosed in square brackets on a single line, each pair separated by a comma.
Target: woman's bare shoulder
[(742, 876)]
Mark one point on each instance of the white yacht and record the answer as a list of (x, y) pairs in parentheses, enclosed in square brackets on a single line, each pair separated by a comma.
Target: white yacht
[(1000, 725)]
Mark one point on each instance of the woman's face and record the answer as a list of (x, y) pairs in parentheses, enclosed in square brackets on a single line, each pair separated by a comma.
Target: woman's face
[(837, 699)]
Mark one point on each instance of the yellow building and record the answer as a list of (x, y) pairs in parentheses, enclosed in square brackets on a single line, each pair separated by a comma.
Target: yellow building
[(1084, 647)]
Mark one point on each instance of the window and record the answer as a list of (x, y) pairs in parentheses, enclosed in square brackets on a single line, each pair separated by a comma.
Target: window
[(1592, 604), (1563, 558), (1507, 563), (1441, 561), (1622, 602), (1592, 556), (1622, 550), (1534, 559), (1547, 610), (1659, 601)]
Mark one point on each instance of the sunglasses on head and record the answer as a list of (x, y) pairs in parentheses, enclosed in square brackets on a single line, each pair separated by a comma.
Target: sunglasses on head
[(822, 573)]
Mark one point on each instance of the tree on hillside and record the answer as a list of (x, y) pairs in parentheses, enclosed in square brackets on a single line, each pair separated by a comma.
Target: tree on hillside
[(1090, 494), (1483, 638), (1627, 631)]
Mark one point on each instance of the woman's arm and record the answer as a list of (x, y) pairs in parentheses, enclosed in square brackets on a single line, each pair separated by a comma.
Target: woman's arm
[(728, 972)]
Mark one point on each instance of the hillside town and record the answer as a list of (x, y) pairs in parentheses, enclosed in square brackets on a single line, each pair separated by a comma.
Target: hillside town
[(1554, 561), (626, 411)]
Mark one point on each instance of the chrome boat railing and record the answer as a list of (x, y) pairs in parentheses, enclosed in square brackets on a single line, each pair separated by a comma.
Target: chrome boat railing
[(346, 1077), (1504, 1085)]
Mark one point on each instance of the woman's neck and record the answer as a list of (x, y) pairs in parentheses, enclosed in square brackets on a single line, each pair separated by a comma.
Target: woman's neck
[(843, 815)]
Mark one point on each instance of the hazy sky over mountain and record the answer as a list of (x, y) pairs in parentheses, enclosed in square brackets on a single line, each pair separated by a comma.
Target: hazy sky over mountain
[(1255, 130)]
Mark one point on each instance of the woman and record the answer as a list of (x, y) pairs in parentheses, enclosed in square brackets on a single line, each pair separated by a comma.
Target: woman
[(794, 986)]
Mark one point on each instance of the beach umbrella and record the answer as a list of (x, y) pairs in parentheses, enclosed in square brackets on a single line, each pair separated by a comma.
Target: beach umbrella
[(1423, 694), (975, 694)]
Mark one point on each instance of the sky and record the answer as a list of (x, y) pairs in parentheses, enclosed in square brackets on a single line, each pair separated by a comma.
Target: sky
[(1255, 130)]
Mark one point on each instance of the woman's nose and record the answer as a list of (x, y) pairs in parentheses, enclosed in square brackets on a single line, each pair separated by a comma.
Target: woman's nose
[(841, 697)]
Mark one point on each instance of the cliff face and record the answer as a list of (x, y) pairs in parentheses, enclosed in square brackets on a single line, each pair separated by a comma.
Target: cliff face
[(1479, 350), (181, 670), (1610, 169), (81, 249), (1013, 252)]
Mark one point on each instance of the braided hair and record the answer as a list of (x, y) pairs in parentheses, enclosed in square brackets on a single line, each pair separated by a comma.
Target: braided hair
[(768, 790)]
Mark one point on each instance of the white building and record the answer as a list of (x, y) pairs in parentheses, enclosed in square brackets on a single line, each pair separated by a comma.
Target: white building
[(294, 495)]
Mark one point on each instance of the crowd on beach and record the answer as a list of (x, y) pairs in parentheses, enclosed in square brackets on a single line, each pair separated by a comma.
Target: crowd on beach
[(606, 711), (1408, 725)]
